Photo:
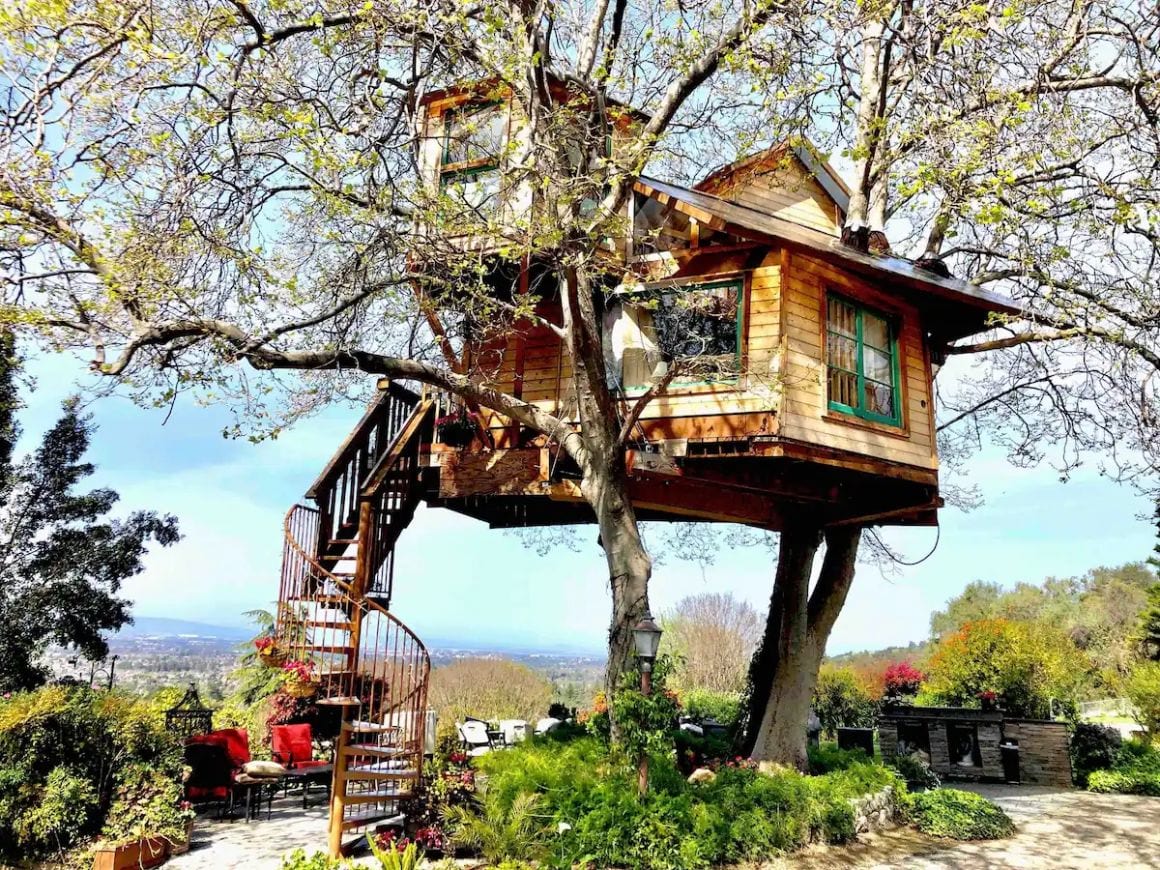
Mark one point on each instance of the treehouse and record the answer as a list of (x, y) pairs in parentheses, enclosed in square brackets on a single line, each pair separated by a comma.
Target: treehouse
[(793, 378)]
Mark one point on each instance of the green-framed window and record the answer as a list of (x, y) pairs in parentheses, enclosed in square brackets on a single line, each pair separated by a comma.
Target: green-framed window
[(862, 362), (473, 140), (695, 325)]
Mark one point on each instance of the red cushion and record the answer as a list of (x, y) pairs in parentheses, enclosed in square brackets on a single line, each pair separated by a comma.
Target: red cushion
[(292, 745), (235, 741)]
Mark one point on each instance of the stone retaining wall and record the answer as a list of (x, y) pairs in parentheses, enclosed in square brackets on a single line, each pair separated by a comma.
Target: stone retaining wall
[(874, 812)]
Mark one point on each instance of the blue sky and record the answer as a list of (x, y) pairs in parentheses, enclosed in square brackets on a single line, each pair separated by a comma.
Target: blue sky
[(460, 583)]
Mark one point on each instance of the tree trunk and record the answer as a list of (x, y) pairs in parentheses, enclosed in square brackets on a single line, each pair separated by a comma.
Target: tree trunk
[(785, 667)]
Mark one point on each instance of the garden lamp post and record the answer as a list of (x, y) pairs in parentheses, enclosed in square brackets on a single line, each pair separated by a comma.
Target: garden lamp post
[(646, 636)]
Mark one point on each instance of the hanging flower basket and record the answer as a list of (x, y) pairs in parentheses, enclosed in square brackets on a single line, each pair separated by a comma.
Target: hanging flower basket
[(269, 653), (301, 681), (458, 428)]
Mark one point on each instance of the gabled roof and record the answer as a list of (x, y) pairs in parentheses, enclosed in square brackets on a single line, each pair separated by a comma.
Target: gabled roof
[(961, 308), (809, 156)]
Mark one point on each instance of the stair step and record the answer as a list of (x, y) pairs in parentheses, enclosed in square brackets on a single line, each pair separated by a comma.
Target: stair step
[(345, 542), (356, 774), (342, 624), (355, 750), (339, 701), (359, 726), (371, 816), (336, 600), (378, 797), (329, 648)]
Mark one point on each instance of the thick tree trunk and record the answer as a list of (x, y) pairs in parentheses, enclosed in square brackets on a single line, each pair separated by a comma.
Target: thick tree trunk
[(785, 667)]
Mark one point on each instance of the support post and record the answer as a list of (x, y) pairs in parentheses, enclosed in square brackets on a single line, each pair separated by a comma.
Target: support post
[(646, 690)]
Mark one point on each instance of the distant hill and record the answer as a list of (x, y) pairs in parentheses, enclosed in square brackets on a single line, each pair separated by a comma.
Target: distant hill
[(164, 627)]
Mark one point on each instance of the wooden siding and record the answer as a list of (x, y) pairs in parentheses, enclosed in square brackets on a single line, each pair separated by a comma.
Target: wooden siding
[(805, 415), (787, 190)]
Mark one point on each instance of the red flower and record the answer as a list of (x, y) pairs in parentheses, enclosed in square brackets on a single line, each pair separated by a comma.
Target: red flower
[(264, 644), (302, 671), (902, 678)]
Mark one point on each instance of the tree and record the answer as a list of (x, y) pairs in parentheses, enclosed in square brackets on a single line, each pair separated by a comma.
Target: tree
[(1150, 624), (272, 224), (841, 701), (490, 689), (1026, 665), (712, 637), (62, 560), (1144, 693)]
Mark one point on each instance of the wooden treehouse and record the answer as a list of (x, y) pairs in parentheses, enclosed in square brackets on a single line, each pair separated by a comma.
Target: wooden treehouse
[(804, 390)]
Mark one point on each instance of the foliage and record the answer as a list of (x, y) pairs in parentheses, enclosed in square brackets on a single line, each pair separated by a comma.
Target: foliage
[(1093, 747), (711, 638), (63, 559), (826, 757), (918, 774), (593, 815), (501, 830), (299, 860), (1136, 770), (721, 707), (1144, 693), (1027, 665), (1098, 611), (959, 815), (840, 700), (393, 853), (489, 689), (647, 722), (1148, 631), (902, 679), (76, 763), (448, 782)]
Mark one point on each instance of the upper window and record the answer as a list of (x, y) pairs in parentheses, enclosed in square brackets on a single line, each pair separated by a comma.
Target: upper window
[(472, 143), (696, 327), (862, 357)]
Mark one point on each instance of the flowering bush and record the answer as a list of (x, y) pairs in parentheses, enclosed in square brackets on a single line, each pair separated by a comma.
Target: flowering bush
[(302, 672), (902, 679), (265, 644)]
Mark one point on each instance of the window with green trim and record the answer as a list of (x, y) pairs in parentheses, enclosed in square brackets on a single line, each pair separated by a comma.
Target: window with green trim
[(473, 140), (862, 362), (697, 327)]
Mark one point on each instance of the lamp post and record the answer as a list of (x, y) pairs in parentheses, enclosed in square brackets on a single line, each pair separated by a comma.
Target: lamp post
[(646, 636)]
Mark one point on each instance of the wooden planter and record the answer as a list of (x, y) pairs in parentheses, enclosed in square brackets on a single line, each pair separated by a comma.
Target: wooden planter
[(143, 853), (182, 846)]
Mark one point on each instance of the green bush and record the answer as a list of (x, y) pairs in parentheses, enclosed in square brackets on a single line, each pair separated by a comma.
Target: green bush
[(840, 700), (1136, 771), (592, 815), (827, 757), (1144, 693), (959, 815), (1093, 747), (918, 774), (724, 707), (72, 758)]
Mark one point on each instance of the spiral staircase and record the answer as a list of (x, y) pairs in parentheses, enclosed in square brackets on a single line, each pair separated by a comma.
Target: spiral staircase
[(334, 611)]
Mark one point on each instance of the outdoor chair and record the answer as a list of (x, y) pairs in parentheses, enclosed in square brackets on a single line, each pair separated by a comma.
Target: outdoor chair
[(216, 760), (475, 739), (514, 730), (293, 747), (548, 724)]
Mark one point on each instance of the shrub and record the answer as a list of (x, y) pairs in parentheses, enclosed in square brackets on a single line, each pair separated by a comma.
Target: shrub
[(1144, 692), (723, 707), (841, 700), (68, 755), (902, 679), (827, 757), (959, 815), (919, 775), (1136, 771), (1093, 747)]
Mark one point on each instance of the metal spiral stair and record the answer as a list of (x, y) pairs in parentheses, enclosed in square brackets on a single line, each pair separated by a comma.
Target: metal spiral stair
[(333, 611)]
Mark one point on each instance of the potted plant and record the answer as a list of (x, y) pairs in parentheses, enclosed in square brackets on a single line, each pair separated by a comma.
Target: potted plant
[(458, 428), (301, 681), (181, 846), (270, 653), (146, 821), (989, 700)]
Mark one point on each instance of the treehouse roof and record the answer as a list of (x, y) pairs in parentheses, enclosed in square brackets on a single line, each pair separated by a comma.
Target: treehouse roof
[(955, 308), (739, 172)]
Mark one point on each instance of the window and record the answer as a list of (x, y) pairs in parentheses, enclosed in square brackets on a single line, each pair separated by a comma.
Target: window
[(963, 745), (862, 357), (695, 326), (472, 143)]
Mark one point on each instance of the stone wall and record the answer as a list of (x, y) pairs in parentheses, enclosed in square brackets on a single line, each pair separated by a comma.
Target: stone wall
[(888, 741), (1044, 756), (874, 812)]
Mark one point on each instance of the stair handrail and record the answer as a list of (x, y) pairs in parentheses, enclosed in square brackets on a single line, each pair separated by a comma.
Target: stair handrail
[(354, 440)]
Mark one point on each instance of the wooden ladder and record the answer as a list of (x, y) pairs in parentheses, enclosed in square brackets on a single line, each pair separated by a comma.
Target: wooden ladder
[(333, 611)]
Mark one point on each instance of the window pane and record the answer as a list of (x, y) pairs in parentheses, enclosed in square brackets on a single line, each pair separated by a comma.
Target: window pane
[(843, 352), (844, 388), (877, 365), (479, 191), (879, 399), (474, 135), (842, 317), (875, 331)]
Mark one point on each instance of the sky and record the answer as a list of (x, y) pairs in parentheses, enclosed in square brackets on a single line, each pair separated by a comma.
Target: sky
[(458, 583)]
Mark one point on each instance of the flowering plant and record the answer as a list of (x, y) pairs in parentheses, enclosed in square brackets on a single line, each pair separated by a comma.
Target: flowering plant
[(431, 837), (265, 644), (301, 671), (457, 428), (395, 853), (988, 696), (902, 678)]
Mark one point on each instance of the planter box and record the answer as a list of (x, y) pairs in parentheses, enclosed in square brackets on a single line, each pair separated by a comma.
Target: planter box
[(144, 853)]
